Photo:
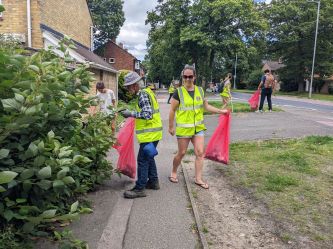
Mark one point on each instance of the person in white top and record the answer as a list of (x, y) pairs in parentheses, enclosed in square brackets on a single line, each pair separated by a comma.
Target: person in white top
[(106, 97)]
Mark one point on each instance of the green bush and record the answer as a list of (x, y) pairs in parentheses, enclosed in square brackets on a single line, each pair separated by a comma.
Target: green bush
[(48, 156), (254, 79), (123, 94)]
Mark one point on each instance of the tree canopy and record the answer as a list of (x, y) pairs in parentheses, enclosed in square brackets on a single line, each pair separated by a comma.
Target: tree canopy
[(108, 17), (209, 34)]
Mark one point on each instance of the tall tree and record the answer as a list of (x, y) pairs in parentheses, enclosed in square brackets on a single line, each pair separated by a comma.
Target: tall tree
[(291, 36), (108, 17), (207, 33)]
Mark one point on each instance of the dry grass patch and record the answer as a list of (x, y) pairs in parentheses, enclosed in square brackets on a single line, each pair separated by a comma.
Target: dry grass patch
[(294, 178)]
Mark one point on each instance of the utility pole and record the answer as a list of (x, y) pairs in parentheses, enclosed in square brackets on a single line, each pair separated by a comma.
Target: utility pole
[(315, 45), (235, 76)]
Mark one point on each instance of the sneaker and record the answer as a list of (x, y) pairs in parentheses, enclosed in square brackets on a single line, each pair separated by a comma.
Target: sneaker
[(134, 193), (270, 110), (153, 185), (259, 111)]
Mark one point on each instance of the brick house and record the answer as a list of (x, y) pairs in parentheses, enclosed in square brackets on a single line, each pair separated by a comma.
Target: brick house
[(39, 24), (117, 56)]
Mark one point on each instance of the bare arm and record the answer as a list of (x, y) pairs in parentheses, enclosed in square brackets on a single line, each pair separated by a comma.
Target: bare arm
[(260, 85), (213, 109), (173, 108)]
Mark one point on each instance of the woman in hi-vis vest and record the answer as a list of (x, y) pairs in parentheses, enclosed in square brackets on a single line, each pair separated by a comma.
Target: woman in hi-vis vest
[(188, 105)]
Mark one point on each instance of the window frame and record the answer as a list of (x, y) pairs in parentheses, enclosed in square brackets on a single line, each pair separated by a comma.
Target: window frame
[(112, 60)]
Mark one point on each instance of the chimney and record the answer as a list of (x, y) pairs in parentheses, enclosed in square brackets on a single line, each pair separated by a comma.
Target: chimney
[(121, 45)]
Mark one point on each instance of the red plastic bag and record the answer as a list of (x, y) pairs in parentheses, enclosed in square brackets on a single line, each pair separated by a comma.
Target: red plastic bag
[(125, 147), (218, 145), (254, 100)]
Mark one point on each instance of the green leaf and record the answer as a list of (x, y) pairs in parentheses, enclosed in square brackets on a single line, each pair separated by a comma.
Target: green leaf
[(80, 158), (45, 184), (8, 214), (27, 185), (62, 173), (86, 211), (26, 174), (11, 105), (50, 135), (12, 184), (39, 161), (28, 227), (58, 184), (34, 68), (2, 189), (4, 153), (19, 98), (32, 151), (64, 161), (45, 172), (68, 180), (41, 147), (7, 176), (74, 206), (65, 153), (84, 89), (21, 200), (48, 214)]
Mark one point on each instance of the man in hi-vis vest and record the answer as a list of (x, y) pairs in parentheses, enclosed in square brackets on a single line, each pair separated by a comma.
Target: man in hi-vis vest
[(148, 129)]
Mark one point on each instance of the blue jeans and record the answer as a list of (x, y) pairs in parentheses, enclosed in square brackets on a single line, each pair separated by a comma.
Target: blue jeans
[(147, 171)]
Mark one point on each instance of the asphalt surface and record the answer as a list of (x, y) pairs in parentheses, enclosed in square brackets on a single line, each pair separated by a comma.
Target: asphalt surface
[(287, 102)]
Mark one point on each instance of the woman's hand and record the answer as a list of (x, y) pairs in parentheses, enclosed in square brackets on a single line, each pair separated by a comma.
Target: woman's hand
[(223, 111), (171, 130)]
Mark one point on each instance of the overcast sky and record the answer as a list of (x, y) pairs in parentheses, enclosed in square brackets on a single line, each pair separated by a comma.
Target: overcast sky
[(134, 32)]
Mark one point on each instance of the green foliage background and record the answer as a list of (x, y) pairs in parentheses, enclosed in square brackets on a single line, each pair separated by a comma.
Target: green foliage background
[(48, 155)]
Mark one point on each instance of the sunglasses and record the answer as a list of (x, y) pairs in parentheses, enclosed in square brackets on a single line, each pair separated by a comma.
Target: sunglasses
[(188, 77)]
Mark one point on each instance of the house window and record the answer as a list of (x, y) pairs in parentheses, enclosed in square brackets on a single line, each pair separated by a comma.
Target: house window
[(137, 65), (112, 60)]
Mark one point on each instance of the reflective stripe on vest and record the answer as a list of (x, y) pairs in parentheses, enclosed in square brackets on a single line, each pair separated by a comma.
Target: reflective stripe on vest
[(149, 130), (189, 115)]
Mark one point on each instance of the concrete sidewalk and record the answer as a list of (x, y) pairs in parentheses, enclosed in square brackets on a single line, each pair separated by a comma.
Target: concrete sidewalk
[(164, 218)]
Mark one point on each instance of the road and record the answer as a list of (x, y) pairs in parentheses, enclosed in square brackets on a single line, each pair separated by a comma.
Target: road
[(287, 102)]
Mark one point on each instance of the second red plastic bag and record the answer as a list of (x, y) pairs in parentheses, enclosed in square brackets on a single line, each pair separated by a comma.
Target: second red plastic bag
[(254, 100), (218, 146), (125, 147)]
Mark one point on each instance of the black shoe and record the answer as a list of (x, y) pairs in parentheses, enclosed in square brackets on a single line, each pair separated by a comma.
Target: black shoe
[(134, 193), (153, 185)]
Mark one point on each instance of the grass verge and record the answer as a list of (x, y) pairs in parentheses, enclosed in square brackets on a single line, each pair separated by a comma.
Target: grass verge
[(294, 178), (239, 107)]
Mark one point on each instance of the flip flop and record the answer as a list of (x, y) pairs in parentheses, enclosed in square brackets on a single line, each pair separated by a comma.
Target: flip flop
[(202, 185), (173, 179)]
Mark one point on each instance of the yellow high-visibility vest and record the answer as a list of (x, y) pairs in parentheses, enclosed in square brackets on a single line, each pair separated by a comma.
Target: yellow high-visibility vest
[(171, 88), (189, 115), (149, 130)]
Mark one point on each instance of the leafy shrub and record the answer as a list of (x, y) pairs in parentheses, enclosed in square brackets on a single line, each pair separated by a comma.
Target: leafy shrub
[(254, 79), (48, 156), (123, 94)]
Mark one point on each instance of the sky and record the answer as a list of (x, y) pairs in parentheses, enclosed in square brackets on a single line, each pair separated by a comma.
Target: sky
[(134, 32)]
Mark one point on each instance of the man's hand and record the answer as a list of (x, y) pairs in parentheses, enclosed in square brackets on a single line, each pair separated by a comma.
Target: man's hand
[(172, 131), (127, 113)]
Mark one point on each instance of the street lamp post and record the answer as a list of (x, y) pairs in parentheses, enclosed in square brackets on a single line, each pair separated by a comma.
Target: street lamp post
[(315, 45), (235, 72)]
